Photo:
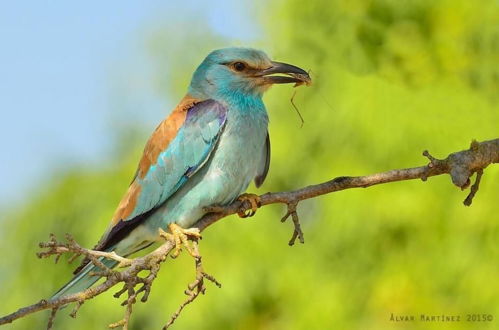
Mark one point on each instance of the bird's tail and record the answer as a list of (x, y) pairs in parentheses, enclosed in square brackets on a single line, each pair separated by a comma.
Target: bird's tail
[(83, 279)]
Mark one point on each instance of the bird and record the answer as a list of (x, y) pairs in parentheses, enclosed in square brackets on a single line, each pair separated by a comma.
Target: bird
[(206, 152)]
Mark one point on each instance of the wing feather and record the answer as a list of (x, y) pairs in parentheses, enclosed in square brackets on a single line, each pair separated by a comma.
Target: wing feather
[(264, 164), (173, 154)]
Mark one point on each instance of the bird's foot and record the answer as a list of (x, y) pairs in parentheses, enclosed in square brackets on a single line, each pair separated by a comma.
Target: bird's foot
[(181, 237), (254, 200)]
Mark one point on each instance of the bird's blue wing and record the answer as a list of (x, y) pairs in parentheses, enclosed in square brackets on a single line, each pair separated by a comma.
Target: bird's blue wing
[(185, 155), (186, 152)]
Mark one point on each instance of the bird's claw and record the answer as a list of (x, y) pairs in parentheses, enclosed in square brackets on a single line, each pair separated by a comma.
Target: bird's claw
[(255, 202), (181, 236)]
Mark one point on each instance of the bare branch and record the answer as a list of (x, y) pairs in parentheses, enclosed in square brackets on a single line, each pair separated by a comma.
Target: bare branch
[(57, 249), (459, 165), (129, 277)]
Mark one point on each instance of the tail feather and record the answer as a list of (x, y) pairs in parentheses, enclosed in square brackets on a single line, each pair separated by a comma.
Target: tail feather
[(83, 279)]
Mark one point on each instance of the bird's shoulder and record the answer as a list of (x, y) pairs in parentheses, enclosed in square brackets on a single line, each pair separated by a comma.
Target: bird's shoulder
[(164, 133)]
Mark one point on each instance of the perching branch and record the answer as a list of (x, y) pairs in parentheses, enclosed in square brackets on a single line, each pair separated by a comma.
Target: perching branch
[(459, 165)]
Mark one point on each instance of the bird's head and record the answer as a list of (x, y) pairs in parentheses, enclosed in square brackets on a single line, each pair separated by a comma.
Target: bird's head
[(242, 70)]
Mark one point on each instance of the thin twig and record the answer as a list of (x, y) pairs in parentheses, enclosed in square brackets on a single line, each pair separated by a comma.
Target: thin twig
[(297, 233), (195, 288), (50, 322)]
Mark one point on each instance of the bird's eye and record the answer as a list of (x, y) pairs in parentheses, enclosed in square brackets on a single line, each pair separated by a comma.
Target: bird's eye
[(239, 66)]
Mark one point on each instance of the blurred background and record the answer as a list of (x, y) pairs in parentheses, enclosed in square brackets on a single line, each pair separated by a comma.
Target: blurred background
[(82, 86)]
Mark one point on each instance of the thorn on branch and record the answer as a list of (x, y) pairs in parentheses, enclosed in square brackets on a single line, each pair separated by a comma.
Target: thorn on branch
[(474, 188), (297, 233)]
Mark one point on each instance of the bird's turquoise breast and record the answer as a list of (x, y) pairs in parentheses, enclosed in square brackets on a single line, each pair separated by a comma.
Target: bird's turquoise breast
[(228, 173)]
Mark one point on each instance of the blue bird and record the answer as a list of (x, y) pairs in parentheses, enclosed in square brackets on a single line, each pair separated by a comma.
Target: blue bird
[(206, 152)]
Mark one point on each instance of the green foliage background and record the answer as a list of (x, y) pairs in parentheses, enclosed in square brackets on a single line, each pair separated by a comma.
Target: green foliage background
[(391, 78)]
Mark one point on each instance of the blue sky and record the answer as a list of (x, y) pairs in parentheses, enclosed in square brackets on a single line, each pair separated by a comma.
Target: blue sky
[(57, 61)]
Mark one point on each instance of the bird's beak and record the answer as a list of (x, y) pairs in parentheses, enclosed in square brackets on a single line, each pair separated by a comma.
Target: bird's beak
[(293, 74)]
